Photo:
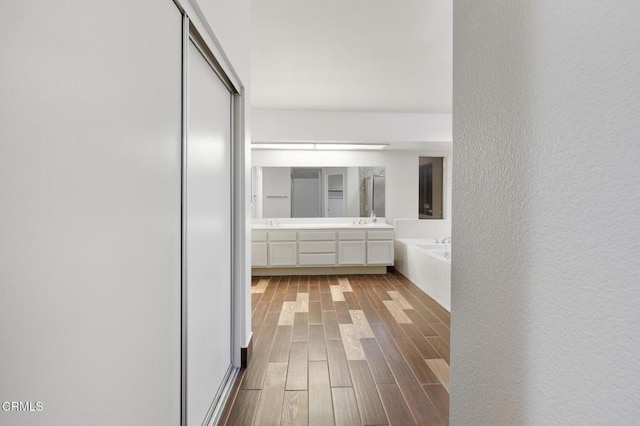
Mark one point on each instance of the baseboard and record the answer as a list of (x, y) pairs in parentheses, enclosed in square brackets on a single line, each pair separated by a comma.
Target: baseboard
[(319, 270), (245, 353)]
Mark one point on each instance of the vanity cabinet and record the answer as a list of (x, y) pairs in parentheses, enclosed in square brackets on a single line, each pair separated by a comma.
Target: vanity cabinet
[(282, 253), (317, 248), (351, 248), (317, 251), (259, 256), (379, 252), (283, 248), (379, 247)]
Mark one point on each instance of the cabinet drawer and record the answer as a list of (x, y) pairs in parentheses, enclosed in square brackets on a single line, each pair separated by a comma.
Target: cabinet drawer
[(258, 235), (380, 235), (282, 235), (351, 235), (317, 246), (317, 235), (317, 259)]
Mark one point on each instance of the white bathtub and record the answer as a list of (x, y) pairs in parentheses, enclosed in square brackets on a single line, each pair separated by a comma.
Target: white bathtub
[(428, 265), (439, 251), (441, 255)]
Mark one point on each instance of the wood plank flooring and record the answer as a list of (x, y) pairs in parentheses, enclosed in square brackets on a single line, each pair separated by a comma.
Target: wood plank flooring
[(353, 350)]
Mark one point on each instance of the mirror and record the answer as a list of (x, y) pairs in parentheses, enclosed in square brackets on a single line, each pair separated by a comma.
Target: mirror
[(298, 192)]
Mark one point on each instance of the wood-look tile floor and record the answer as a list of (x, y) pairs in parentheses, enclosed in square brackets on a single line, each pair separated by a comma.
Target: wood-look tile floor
[(353, 350)]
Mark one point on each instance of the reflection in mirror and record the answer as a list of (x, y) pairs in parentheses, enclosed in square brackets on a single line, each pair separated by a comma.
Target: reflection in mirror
[(430, 188), (298, 192), (306, 192), (372, 190), (335, 195)]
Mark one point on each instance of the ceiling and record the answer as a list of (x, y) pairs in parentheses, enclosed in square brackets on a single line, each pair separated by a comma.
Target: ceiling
[(352, 55)]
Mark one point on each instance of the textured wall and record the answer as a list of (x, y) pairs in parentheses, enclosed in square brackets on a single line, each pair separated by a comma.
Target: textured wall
[(545, 280)]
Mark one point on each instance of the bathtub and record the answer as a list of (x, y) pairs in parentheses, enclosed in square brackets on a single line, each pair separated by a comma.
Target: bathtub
[(441, 252), (441, 255), (428, 265)]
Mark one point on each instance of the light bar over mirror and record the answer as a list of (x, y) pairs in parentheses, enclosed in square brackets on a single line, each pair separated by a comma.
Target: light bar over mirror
[(329, 146)]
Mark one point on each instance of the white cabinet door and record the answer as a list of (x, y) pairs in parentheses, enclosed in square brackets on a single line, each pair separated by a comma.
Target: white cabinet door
[(351, 252), (283, 253), (380, 252), (259, 254)]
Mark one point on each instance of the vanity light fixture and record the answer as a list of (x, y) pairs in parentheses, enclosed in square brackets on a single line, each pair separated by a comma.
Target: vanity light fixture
[(350, 146), (296, 146), (321, 146)]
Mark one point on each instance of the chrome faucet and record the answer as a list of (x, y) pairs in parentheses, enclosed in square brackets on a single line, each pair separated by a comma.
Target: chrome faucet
[(446, 240)]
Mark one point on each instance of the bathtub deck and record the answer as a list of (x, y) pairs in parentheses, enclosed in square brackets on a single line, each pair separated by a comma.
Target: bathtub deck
[(429, 273), (362, 349)]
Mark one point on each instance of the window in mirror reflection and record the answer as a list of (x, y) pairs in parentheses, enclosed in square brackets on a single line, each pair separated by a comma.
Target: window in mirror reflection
[(430, 188)]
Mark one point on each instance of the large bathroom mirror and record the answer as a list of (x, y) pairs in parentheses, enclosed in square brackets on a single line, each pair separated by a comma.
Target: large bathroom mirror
[(303, 192)]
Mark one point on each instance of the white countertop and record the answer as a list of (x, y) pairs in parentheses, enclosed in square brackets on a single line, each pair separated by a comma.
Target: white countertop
[(368, 226)]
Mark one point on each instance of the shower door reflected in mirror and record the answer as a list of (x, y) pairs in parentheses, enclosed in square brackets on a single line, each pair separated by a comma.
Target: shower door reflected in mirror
[(306, 192)]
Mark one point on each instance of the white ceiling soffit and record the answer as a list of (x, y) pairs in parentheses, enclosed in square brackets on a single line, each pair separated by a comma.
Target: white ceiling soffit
[(398, 130), (352, 55)]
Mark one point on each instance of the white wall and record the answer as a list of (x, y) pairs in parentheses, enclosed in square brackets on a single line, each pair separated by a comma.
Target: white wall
[(401, 170), (423, 228), (90, 167), (408, 128), (545, 318), (230, 24)]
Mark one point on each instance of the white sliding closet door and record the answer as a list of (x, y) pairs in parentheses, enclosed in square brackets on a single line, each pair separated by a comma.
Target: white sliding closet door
[(208, 235), (90, 123)]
